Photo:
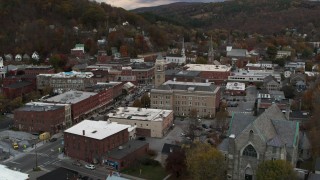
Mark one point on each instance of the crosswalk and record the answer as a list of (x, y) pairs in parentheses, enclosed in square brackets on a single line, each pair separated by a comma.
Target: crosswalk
[(240, 112)]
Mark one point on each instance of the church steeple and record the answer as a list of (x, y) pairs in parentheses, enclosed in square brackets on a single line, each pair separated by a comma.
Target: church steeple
[(210, 52), (183, 51)]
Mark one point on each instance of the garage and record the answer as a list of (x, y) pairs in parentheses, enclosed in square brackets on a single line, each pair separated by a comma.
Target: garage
[(143, 132)]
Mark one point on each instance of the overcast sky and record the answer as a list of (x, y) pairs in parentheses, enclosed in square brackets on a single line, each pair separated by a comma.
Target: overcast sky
[(133, 4)]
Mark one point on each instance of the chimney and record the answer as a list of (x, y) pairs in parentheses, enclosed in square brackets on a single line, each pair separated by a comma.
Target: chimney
[(83, 132)]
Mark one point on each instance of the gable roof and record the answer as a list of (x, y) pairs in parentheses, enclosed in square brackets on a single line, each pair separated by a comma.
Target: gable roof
[(269, 78), (272, 126)]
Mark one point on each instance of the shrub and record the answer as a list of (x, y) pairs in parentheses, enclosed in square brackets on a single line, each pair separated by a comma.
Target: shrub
[(152, 153), (148, 161)]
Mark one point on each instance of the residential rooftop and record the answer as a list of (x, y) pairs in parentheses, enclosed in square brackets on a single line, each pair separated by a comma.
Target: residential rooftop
[(207, 67), (142, 114), (96, 129), (70, 97)]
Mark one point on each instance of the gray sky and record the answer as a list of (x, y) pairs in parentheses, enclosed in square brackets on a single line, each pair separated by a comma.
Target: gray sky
[(133, 4)]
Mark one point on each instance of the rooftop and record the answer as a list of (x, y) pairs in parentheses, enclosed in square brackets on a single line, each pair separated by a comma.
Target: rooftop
[(96, 129), (19, 84), (71, 97), (207, 67), (236, 86), (39, 106), (70, 74), (9, 174), (187, 86), (142, 114), (125, 149)]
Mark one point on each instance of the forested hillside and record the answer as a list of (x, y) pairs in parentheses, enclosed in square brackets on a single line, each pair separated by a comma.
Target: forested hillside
[(253, 16)]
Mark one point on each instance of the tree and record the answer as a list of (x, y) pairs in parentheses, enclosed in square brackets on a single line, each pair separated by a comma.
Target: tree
[(137, 103), (272, 52), (288, 91), (176, 162), (275, 170), (145, 101), (222, 115), (201, 60), (205, 162)]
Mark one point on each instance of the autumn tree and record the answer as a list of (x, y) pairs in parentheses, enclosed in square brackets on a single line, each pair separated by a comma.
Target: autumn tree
[(272, 52), (58, 61), (222, 115), (137, 103), (176, 162), (145, 101), (276, 170), (201, 60), (205, 162)]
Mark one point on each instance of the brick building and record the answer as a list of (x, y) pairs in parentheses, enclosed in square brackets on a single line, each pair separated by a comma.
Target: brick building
[(82, 103), (212, 73), (35, 70), (149, 122), (17, 89), (64, 81), (40, 117), (92, 140), (182, 97)]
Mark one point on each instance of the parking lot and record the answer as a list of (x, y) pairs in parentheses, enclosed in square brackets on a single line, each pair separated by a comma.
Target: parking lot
[(242, 104)]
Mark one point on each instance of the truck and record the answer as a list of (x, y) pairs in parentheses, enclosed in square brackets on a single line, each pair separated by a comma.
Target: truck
[(44, 136)]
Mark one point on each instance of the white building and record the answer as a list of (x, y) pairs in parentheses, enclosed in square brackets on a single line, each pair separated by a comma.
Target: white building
[(236, 86), (149, 122), (177, 58), (253, 75), (8, 174)]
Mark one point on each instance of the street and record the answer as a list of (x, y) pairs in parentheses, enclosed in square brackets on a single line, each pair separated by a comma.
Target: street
[(47, 155)]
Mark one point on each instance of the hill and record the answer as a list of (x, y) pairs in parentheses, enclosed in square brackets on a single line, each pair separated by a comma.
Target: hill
[(260, 16), (55, 26)]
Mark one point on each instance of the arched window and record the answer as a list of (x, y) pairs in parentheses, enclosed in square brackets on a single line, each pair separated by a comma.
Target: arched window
[(249, 151)]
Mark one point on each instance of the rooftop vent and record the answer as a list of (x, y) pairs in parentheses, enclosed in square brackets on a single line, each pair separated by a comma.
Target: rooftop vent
[(94, 131)]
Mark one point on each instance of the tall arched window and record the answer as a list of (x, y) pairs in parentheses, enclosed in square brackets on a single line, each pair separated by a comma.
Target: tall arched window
[(249, 151)]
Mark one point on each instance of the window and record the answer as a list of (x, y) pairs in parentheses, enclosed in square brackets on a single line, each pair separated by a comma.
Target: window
[(249, 151), (274, 150)]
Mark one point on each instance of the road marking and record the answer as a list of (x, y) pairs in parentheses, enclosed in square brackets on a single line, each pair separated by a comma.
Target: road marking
[(14, 162)]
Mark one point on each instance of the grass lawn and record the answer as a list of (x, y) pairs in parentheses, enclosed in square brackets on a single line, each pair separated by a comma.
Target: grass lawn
[(147, 172)]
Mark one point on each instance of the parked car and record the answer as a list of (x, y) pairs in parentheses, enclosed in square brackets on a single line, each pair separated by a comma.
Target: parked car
[(90, 166), (142, 138), (53, 139), (77, 163), (204, 126)]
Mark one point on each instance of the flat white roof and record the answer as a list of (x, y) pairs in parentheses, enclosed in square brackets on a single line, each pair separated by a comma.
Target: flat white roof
[(70, 97), (96, 129), (236, 86), (142, 114), (8, 174), (207, 67)]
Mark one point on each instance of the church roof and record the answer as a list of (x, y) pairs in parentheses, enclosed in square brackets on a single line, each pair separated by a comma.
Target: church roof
[(271, 125)]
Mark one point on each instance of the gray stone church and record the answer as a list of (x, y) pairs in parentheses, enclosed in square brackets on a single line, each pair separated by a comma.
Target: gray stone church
[(252, 140)]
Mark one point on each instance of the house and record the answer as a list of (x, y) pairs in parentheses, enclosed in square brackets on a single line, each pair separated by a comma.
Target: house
[(252, 140), (283, 54), (271, 83), (294, 78)]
